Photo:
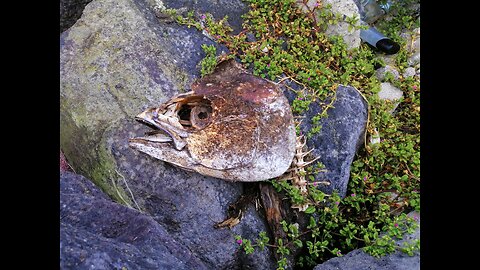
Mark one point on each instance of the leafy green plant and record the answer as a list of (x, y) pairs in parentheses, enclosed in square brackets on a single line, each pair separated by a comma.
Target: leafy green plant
[(210, 61)]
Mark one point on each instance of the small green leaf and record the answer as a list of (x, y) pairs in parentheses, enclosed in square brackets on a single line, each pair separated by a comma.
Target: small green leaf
[(298, 243), (310, 209)]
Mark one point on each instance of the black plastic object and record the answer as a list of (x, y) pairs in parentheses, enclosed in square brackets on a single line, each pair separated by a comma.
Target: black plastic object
[(387, 46), (379, 41)]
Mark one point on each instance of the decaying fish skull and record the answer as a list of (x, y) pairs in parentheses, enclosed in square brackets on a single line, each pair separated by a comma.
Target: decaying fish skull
[(232, 125)]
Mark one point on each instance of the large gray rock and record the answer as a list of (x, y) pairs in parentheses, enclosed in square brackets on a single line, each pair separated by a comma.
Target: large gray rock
[(187, 203), (117, 60), (97, 233), (70, 11), (341, 135)]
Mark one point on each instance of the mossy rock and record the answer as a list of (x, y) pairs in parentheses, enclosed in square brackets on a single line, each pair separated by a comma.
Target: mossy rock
[(118, 59)]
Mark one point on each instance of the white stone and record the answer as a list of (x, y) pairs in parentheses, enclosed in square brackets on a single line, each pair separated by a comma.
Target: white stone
[(416, 45), (389, 92), (409, 72), (414, 59), (412, 40), (346, 8), (388, 59), (159, 6), (381, 72), (417, 31)]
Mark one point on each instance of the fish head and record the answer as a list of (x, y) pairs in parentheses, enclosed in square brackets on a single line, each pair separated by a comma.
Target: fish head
[(232, 125)]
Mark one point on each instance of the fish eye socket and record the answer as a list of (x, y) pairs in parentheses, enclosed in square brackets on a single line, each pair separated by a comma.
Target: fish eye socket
[(202, 115), (195, 112), (184, 113)]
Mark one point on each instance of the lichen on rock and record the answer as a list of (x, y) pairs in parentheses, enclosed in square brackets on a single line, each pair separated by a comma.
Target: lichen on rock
[(113, 64)]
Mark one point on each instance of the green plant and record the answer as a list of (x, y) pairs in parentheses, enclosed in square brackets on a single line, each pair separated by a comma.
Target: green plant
[(210, 61)]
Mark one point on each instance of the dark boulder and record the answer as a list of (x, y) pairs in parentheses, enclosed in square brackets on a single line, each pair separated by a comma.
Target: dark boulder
[(97, 233), (341, 134)]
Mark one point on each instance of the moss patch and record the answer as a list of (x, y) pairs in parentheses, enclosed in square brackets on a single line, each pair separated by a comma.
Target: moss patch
[(89, 156)]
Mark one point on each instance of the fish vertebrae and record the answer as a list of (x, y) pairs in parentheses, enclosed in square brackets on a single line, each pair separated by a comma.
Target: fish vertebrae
[(297, 174)]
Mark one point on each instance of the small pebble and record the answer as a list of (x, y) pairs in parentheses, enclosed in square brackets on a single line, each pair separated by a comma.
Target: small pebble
[(381, 72), (409, 72)]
